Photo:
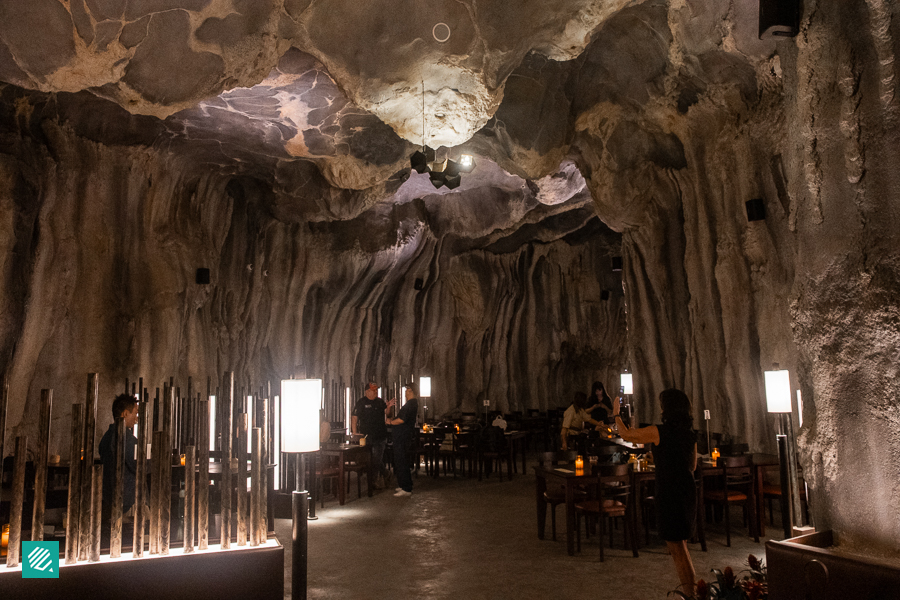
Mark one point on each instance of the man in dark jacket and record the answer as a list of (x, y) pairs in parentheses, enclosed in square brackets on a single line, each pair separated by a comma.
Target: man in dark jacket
[(369, 419), (125, 407)]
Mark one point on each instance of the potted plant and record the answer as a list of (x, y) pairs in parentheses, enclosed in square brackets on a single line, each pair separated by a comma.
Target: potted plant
[(727, 586)]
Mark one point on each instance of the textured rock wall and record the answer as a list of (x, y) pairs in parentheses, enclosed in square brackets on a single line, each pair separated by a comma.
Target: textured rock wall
[(101, 245)]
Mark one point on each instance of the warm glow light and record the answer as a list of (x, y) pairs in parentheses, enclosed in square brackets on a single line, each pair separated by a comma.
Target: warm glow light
[(250, 420), (276, 460), (212, 423), (300, 415), (465, 160), (800, 407), (778, 391), (627, 383), (425, 387)]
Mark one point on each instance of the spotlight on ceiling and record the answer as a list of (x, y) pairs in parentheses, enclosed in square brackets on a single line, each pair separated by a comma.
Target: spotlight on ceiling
[(445, 172)]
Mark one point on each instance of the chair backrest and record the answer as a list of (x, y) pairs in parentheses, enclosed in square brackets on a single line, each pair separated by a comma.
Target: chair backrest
[(738, 470), (614, 482), (555, 458)]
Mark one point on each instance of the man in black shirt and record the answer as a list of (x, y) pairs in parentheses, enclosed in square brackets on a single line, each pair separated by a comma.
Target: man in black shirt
[(369, 419), (124, 407), (404, 433)]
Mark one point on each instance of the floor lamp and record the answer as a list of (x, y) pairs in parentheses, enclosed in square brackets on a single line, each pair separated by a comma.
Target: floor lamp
[(778, 401), (300, 402)]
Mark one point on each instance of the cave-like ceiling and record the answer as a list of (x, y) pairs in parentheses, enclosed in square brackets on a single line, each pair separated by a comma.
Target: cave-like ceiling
[(325, 101)]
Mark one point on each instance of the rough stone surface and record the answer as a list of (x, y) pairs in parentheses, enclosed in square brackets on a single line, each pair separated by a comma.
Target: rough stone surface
[(284, 151)]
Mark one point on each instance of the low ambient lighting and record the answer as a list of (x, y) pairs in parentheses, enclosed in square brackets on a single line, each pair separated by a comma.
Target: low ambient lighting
[(441, 172), (778, 391), (627, 383), (466, 160), (425, 387), (300, 414)]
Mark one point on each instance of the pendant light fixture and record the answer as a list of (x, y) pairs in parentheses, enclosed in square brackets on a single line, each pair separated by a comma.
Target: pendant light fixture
[(446, 172)]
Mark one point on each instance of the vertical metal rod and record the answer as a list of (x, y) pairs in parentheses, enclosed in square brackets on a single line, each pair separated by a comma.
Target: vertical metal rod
[(165, 505), (14, 548), (243, 422), (783, 458), (115, 522), (73, 505), (203, 479), (227, 437), (156, 411), (140, 479), (155, 477), (299, 539), (40, 475), (796, 505), (4, 403), (188, 437), (264, 434), (96, 511), (255, 485), (87, 474), (190, 496)]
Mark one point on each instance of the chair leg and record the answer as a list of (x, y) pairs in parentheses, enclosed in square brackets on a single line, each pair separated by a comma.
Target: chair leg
[(701, 525), (578, 531), (553, 520), (602, 519), (725, 508)]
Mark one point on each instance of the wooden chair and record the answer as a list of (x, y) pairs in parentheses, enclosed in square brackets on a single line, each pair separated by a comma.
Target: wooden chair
[(492, 450), (557, 495), (614, 500), (736, 485), (772, 491), (327, 467)]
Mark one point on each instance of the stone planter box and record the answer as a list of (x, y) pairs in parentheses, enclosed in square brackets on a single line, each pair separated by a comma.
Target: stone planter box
[(213, 575), (810, 567)]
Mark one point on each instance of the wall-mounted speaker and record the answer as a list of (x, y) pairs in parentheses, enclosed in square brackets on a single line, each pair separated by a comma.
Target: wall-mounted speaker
[(604, 294), (202, 276), (616, 263), (778, 18), (418, 284), (756, 209)]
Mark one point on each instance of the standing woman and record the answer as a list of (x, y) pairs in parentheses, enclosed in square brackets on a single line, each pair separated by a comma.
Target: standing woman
[(675, 454), (403, 429), (603, 406)]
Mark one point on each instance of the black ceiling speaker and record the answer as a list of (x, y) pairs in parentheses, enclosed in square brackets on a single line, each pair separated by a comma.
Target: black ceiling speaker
[(418, 284), (756, 209), (420, 159), (616, 263), (202, 276), (778, 18), (604, 294)]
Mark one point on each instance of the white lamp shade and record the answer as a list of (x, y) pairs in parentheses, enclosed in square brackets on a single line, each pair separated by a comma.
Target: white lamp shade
[(212, 423), (627, 383), (425, 387), (778, 391), (300, 399)]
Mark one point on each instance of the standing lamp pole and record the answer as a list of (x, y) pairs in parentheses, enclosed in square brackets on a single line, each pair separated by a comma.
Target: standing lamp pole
[(778, 401), (301, 399)]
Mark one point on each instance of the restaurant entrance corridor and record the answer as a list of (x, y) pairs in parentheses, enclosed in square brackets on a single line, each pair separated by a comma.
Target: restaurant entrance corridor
[(464, 539)]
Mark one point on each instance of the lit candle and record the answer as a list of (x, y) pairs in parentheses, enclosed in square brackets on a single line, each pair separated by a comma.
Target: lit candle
[(4, 539), (715, 455), (182, 460), (579, 463)]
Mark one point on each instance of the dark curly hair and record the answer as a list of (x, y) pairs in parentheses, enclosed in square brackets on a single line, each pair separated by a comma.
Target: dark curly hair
[(676, 409)]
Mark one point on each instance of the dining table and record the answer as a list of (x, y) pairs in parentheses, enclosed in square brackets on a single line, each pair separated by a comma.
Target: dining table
[(515, 445), (571, 478)]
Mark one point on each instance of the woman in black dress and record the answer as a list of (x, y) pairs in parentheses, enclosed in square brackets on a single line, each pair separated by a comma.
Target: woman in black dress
[(675, 455)]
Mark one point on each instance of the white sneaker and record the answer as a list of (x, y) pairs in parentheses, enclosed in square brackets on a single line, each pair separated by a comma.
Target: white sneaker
[(403, 494)]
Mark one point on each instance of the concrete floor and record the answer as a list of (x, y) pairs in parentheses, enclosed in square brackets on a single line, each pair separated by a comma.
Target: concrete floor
[(465, 539)]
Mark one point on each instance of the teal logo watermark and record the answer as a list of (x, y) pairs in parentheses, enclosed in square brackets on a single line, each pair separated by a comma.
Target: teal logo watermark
[(41, 560)]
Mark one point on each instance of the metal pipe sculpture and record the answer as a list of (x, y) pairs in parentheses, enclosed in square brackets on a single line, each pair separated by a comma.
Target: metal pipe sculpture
[(73, 506), (155, 478), (203, 479), (140, 483), (264, 470), (243, 422), (14, 549), (4, 402), (255, 483), (40, 475), (96, 510), (227, 437), (87, 464), (115, 523), (165, 481), (190, 496)]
